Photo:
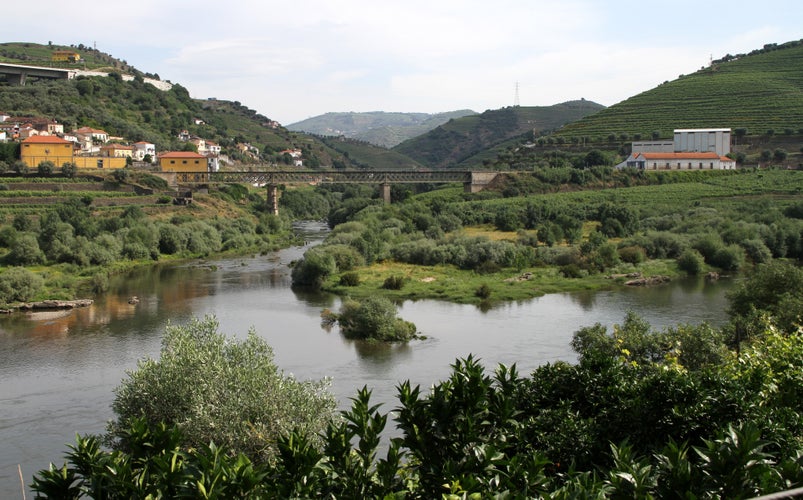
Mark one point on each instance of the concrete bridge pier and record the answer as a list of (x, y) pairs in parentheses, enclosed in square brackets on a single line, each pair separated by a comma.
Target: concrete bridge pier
[(385, 187), (273, 198), (479, 181)]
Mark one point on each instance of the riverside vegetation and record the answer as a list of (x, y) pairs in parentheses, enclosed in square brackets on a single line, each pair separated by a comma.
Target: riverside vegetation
[(689, 412)]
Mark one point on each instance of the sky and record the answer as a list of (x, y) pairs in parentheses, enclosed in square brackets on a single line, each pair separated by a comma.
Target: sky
[(293, 60)]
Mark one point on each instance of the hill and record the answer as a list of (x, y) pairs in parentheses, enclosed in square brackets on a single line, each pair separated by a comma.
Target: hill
[(378, 127), (459, 139), (760, 92), (135, 110)]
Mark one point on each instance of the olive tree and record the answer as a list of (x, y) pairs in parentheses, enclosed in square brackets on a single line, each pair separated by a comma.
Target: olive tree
[(221, 390)]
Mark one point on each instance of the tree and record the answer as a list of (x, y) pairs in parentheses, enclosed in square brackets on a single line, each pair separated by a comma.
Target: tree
[(45, 168), (779, 155), (69, 169), (221, 390), (19, 167), (372, 318), (773, 288), (18, 284)]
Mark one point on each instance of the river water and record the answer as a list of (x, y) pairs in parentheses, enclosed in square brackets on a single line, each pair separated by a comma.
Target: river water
[(58, 370)]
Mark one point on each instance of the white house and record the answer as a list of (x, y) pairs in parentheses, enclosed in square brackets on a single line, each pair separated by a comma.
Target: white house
[(143, 148)]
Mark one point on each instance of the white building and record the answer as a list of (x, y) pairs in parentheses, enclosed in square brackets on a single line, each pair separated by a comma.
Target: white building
[(712, 143), (143, 148), (703, 139), (708, 160)]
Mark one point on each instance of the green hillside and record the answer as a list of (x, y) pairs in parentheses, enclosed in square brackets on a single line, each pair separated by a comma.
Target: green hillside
[(138, 111), (362, 154), (462, 138), (760, 92), (385, 129)]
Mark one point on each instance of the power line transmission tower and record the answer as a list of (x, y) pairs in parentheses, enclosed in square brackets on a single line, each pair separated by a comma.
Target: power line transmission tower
[(516, 97)]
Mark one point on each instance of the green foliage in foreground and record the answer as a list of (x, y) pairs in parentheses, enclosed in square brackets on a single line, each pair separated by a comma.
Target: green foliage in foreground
[(218, 389), (642, 414), (628, 425)]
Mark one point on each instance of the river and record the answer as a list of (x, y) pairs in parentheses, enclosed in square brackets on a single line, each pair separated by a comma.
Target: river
[(58, 370)]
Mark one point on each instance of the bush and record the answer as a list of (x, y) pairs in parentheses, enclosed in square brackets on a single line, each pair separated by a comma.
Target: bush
[(483, 292), (221, 390), (373, 318), (393, 283), (691, 262), (46, 168), (314, 268), (18, 284), (349, 279), (632, 254), (729, 258)]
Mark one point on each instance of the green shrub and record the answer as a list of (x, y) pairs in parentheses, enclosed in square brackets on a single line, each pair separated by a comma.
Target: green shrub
[(483, 292), (729, 258), (18, 284), (222, 390), (691, 262), (394, 282), (632, 254), (572, 271), (350, 279), (314, 268), (373, 318)]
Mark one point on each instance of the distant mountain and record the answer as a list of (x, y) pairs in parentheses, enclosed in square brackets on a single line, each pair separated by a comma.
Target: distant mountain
[(462, 138), (760, 92), (380, 128)]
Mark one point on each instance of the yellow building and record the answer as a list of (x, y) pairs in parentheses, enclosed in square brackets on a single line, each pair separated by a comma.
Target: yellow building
[(99, 162), (183, 161), (38, 148), (117, 151), (65, 56)]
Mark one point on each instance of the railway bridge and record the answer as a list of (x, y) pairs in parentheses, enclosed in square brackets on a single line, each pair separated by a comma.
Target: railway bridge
[(473, 181)]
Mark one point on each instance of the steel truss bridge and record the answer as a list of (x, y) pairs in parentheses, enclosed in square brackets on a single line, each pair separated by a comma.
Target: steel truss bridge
[(472, 181), (314, 177)]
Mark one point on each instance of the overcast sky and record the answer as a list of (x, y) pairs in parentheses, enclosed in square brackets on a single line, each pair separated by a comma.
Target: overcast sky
[(292, 60)]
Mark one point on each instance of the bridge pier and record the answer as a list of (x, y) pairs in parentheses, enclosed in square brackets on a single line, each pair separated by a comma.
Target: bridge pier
[(273, 198), (385, 189), (479, 181)]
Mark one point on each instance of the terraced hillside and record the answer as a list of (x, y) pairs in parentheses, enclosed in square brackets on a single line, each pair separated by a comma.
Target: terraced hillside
[(761, 92)]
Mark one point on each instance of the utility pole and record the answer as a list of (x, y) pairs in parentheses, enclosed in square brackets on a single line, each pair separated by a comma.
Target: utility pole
[(516, 96)]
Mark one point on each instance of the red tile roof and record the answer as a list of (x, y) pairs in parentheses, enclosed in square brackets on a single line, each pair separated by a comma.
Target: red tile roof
[(45, 139), (181, 154)]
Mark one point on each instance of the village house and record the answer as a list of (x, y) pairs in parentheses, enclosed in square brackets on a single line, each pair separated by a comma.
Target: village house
[(88, 138), (212, 148), (65, 56), (38, 148), (117, 151), (295, 154), (142, 149), (183, 161)]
